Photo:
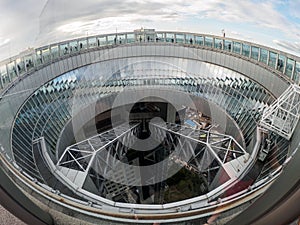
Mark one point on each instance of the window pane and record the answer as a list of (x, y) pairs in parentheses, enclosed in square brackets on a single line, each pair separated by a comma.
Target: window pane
[(297, 73), (246, 50), (73, 46), (281, 63), (64, 49), (263, 55), (208, 41), (218, 43), (54, 52), (82, 44), (12, 71), (38, 57), (20, 66), (28, 62), (272, 59), (102, 40), (289, 67), (169, 37), (159, 37), (254, 52), (189, 39), (228, 45), (92, 42), (237, 47), (46, 55), (130, 38), (179, 38), (3, 75), (121, 39), (199, 40), (111, 39)]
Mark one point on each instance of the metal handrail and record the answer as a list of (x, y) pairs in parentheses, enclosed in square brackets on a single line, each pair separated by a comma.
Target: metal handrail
[(285, 65)]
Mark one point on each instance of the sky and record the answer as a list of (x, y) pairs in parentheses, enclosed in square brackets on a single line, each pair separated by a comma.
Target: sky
[(32, 23)]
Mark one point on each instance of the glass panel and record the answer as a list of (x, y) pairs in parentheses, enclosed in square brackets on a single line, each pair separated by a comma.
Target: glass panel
[(179, 38), (102, 40), (111, 39), (64, 49), (20, 66), (54, 52), (189, 39), (149, 37), (246, 50), (39, 57), (218, 43), (82, 44), (272, 59), (199, 40), (237, 47), (121, 39), (139, 37), (159, 37), (28, 62), (289, 67), (208, 41), (46, 55), (4, 75), (97, 42), (12, 71), (73, 46), (228, 45), (92, 42), (169, 37), (297, 73), (254, 52), (281, 63), (263, 55), (130, 38)]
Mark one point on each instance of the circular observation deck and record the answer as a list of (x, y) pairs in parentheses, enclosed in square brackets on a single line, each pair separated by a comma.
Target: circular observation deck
[(77, 111)]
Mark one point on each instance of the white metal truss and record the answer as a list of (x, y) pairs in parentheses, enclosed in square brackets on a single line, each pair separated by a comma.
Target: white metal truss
[(212, 153), (100, 153), (216, 157), (214, 142), (282, 116)]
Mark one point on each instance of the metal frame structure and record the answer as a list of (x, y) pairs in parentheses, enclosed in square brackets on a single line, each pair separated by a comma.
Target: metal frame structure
[(217, 157), (204, 151), (77, 160), (283, 115), (214, 142)]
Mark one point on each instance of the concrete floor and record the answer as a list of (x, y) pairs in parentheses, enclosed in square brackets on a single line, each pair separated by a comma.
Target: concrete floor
[(6, 218)]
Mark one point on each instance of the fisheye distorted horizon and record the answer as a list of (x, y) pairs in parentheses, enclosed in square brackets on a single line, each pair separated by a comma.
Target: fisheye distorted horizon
[(29, 23)]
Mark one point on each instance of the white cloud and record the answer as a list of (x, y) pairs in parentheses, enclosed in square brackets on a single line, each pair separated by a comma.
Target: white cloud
[(293, 47), (294, 6), (263, 14), (105, 25), (4, 41), (54, 20)]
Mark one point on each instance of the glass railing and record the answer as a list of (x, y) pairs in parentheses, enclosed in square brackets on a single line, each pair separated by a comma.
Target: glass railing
[(284, 64)]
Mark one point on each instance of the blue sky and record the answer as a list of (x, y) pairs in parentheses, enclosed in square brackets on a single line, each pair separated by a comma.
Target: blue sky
[(32, 23)]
